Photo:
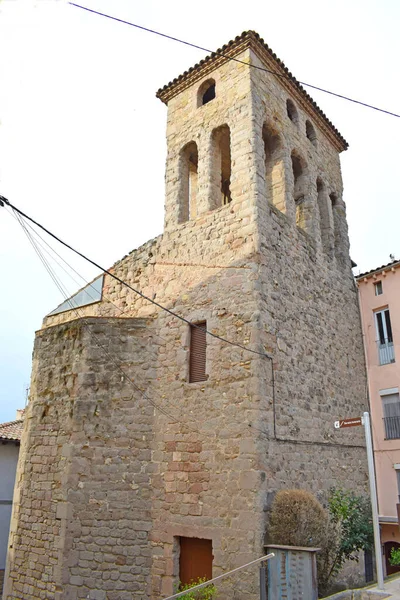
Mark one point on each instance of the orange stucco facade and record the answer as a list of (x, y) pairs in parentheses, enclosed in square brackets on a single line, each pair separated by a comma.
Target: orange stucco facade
[(379, 295)]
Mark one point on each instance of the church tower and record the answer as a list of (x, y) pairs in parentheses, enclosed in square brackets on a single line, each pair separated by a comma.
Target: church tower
[(156, 439)]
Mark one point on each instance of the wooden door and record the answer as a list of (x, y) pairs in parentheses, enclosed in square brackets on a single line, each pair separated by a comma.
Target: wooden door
[(195, 559)]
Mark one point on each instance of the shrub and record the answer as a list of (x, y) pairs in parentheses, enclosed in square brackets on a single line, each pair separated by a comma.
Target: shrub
[(298, 519), (206, 593), (394, 558)]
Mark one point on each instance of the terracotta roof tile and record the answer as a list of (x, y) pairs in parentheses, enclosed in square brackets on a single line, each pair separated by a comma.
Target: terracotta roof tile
[(11, 430), (382, 268), (227, 52)]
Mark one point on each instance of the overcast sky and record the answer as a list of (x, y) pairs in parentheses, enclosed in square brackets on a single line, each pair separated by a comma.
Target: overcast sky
[(82, 136)]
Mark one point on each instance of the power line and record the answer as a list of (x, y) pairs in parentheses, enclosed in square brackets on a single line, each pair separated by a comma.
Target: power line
[(4, 200), (219, 53), (75, 309), (35, 243), (122, 311)]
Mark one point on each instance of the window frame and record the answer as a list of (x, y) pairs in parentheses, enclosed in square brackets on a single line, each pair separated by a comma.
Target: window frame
[(391, 413), (198, 352), (383, 325)]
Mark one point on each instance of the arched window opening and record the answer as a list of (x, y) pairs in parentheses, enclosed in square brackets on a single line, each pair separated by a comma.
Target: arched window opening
[(292, 111), (206, 92), (221, 170), (274, 168), (333, 199), (299, 167), (310, 133), (188, 182), (325, 218)]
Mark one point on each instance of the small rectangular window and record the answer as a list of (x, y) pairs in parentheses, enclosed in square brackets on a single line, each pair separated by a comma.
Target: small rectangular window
[(195, 560), (378, 288), (391, 416), (384, 337), (198, 346)]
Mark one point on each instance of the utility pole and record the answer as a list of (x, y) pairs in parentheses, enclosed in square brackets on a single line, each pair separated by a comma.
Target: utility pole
[(374, 501), (365, 420)]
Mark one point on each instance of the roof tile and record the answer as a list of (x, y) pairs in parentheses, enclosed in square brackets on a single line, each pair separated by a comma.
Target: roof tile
[(11, 430)]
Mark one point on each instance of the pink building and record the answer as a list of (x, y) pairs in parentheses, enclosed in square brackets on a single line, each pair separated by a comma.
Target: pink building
[(379, 291)]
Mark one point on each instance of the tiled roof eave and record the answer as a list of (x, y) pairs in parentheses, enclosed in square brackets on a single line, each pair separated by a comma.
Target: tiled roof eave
[(393, 264), (11, 431), (251, 39)]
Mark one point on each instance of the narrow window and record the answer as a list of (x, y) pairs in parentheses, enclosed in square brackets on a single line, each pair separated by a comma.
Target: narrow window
[(303, 212), (339, 228), (378, 288), (310, 133), (188, 182), (197, 359), (274, 168), (221, 171), (195, 560), (206, 92), (325, 218), (391, 416), (292, 111), (384, 337)]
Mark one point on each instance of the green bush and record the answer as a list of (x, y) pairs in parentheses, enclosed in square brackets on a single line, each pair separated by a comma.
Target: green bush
[(298, 519), (394, 558), (206, 593)]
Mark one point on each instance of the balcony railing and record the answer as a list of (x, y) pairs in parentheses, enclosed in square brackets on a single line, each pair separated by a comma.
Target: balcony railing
[(385, 352), (392, 427)]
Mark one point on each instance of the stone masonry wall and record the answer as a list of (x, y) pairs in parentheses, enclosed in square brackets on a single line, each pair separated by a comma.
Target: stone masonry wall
[(81, 522)]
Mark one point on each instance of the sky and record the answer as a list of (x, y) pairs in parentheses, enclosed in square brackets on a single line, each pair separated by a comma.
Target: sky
[(82, 135)]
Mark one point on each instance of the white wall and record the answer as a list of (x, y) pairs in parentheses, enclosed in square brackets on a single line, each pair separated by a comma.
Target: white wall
[(8, 466)]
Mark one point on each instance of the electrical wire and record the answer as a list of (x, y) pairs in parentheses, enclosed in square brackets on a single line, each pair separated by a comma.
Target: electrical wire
[(122, 311), (108, 355), (219, 53), (65, 293), (4, 200), (155, 405)]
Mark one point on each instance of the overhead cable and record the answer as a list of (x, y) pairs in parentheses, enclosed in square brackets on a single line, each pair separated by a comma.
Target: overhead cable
[(219, 53), (4, 200)]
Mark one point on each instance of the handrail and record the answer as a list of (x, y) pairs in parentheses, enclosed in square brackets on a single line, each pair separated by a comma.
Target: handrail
[(210, 581)]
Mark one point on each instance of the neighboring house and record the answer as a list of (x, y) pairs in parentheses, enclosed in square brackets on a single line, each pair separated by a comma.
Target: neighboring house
[(153, 450), (10, 437), (379, 293)]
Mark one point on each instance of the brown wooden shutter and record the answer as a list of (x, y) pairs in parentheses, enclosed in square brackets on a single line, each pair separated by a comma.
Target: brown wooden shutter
[(195, 559), (198, 344)]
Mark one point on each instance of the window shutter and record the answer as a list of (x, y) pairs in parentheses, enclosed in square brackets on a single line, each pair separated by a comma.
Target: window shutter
[(198, 344)]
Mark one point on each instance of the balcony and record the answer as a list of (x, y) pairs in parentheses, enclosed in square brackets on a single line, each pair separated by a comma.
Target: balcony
[(385, 352), (392, 428)]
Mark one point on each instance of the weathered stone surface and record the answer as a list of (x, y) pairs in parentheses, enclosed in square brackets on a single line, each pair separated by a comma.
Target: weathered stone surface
[(134, 466)]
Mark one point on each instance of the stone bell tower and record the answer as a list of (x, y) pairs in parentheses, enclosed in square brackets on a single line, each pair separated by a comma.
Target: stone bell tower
[(240, 133), (154, 436)]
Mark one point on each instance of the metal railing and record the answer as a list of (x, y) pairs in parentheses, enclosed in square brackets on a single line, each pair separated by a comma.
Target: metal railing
[(211, 581), (392, 427), (385, 352)]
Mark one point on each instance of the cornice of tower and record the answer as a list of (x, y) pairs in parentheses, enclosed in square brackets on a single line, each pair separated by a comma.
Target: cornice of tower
[(252, 40)]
